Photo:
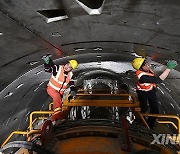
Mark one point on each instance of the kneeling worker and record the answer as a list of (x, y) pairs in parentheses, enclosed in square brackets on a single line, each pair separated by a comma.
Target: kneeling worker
[(146, 84)]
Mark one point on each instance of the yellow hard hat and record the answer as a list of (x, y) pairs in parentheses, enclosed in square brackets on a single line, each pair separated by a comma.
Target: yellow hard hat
[(73, 63), (137, 62)]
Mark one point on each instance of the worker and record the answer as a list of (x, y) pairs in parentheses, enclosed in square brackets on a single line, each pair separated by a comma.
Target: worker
[(61, 77), (146, 86)]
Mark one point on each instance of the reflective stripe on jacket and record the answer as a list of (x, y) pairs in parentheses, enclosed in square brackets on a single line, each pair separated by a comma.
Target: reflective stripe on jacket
[(61, 80), (144, 86)]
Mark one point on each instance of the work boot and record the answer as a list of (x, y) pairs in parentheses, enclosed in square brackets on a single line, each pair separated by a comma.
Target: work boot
[(60, 121)]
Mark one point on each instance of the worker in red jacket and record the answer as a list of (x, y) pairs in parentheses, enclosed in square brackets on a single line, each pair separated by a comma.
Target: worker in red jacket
[(60, 78), (146, 86)]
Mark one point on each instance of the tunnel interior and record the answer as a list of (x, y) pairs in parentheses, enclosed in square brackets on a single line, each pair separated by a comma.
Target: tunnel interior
[(104, 37)]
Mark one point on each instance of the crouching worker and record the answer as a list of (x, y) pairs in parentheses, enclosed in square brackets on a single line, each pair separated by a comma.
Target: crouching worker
[(146, 86), (61, 77)]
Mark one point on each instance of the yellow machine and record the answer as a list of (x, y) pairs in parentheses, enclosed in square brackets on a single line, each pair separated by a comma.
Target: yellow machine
[(97, 124)]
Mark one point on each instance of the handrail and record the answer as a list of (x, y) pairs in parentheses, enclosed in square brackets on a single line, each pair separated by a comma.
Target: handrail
[(30, 127), (39, 118), (50, 106), (126, 100), (103, 100), (167, 122), (37, 112), (165, 116), (14, 132), (21, 133)]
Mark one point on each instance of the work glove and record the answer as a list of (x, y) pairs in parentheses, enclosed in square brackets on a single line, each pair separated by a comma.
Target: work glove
[(171, 64), (46, 59), (153, 67)]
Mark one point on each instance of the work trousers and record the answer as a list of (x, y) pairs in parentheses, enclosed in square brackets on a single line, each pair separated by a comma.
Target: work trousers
[(150, 97), (57, 103)]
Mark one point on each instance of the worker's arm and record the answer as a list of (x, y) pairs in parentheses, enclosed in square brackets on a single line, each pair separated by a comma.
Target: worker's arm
[(165, 74), (152, 79), (51, 68), (149, 79), (170, 65), (49, 65)]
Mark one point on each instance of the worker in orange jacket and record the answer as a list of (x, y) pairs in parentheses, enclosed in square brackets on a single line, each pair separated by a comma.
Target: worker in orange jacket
[(60, 78), (146, 86)]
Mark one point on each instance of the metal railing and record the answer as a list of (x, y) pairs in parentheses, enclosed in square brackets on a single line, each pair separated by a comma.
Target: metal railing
[(101, 100), (177, 127), (51, 106), (30, 131)]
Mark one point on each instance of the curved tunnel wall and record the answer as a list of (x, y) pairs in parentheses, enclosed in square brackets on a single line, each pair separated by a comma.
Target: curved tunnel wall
[(93, 40), (28, 92)]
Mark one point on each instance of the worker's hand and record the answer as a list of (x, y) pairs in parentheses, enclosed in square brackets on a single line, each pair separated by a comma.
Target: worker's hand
[(46, 59), (70, 97), (73, 93), (171, 64)]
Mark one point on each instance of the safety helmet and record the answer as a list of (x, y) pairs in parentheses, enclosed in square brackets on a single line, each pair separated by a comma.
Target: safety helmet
[(73, 63), (137, 63)]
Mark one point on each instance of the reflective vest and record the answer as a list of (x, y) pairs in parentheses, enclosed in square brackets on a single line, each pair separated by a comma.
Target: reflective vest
[(60, 81), (144, 86)]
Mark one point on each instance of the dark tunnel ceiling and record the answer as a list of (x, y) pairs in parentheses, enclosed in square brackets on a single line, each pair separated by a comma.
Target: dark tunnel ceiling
[(120, 27), (25, 35)]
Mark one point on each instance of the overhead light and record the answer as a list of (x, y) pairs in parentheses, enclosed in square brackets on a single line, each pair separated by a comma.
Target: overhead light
[(92, 7), (38, 72), (53, 15), (1, 33), (97, 48), (20, 85), (135, 54), (8, 94), (32, 63), (79, 49)]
